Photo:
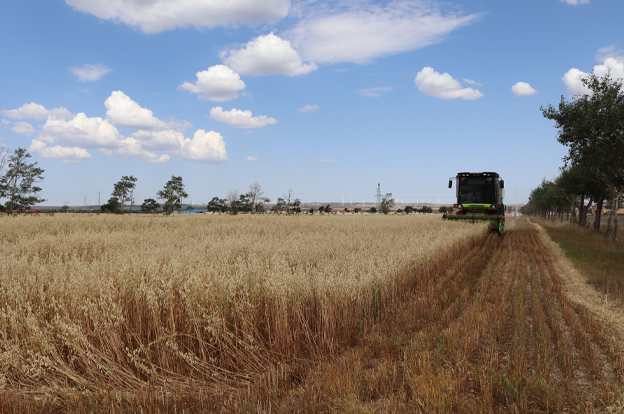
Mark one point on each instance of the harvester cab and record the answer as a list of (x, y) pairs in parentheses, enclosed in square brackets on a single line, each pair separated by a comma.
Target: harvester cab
[(479, 198)]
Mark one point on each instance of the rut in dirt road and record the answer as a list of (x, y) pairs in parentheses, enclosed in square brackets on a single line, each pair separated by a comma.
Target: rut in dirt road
[(491, 331), (520, 341)]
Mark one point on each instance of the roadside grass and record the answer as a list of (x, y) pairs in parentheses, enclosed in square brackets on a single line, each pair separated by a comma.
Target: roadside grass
[(600, 260)]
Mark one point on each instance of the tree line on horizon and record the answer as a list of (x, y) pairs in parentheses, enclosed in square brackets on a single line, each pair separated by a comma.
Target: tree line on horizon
[(592, 127)]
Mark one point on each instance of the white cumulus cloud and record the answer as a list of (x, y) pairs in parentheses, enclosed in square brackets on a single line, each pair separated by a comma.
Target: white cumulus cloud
[(168, 139), (362, 31), (152, 16), (266, 55), (40, 148), (309, 108), (23, 128), (252, 158), (203, 147), (572, 78), (121, 110), (36, 112), (240, 119), (130, 147), (89, 73), (325, 161), (81, 131), (219, 83), (523, 89), (443, 86)]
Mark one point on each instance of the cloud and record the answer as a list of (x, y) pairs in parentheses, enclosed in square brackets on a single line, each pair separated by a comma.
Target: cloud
[(361, 31), (121, 110), (204, 147), (153, 16), (240, 119), (81, 131), (471, 82), (130, 147), (89, 73), (443, 86), (252, 158), (40, 148), (575, 2), (610, 52), (522, 89), (219, 83), (309, 108), (572, 78), (36, 112), (23, 128), (324, 161), (159, 140), (266, 55), (374, 92)]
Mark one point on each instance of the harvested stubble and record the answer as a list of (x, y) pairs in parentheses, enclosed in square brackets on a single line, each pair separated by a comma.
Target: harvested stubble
[(194, 305)]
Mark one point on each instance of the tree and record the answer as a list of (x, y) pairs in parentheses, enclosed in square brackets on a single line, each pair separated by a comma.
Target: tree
[(442, 209), (18, 183), (112, 206), (409, 209), (255, 197), (591, 127), (357, 210), (124, 190), (328, 209), (149, 204), (279, 205), (172, 194), (233, 202), (387, 202), (217, 204), (372, 210)]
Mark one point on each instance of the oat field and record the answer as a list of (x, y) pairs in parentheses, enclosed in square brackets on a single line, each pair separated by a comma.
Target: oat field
[(205, 313)]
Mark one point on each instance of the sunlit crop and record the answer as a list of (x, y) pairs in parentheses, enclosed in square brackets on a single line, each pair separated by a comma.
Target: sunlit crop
[(100, 302)]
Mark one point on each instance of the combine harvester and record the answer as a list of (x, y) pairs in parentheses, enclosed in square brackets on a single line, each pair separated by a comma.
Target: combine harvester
[(479, 198)]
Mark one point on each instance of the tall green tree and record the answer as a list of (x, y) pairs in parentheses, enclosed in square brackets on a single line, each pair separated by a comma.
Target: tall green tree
[(149, 204), (387, 202), (592, 127), (172, 194), (18, 183), (124, 190)]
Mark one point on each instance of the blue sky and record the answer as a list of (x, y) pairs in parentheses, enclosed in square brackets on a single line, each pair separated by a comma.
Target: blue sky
[(327, 98)]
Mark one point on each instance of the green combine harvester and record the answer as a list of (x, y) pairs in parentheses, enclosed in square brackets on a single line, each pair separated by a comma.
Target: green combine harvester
[(479, 198)]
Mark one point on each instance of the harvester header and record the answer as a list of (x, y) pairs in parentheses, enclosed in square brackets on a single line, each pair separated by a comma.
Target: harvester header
[(479, 198)]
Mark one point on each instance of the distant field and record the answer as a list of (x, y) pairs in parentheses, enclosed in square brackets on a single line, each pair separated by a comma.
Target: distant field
[(202, 313)]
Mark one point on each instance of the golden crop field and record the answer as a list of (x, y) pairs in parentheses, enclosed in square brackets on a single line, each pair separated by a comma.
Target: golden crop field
[(88, 302), (204, 313)]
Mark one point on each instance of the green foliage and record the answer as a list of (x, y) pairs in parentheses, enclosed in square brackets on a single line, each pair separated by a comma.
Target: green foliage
[(124, 190), (173, 193), (149, 204), (387, 202), (112, 206), (18, 183), (217, 205)]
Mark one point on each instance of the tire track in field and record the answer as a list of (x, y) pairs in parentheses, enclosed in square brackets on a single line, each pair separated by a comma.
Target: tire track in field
[(495, 331)]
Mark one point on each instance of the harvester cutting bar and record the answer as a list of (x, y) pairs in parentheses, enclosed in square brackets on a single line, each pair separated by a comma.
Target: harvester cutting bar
[(471, 216)]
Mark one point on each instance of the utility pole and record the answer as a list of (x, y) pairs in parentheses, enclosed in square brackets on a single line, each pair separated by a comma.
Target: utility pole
[(378, 196)]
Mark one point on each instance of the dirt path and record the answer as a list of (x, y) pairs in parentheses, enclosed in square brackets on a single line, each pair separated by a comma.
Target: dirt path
[(577, 288), (509, 326)]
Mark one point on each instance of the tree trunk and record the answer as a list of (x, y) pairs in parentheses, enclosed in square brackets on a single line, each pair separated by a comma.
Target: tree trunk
[(581, 218), (598, 214)]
